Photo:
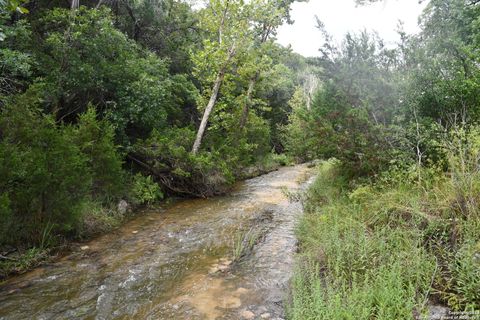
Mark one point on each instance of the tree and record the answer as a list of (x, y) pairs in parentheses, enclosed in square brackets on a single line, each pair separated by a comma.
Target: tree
[(444, 62), (166, 27), (353, 109), (267, 16), (12, 6), (227, 22)]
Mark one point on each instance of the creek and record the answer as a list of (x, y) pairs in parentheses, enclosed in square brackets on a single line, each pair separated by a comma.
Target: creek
[(177, 261)]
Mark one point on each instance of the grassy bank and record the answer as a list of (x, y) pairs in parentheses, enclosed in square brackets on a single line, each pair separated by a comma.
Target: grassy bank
[(387, 250), (96, 219)]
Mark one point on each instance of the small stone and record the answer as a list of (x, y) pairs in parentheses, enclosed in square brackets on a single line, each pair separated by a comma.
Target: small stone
[(247, 314), (265, 316), (214, 269), (241, 290), (135, 232), (84, 248), (231, 303), (262, 309), (223, 268)]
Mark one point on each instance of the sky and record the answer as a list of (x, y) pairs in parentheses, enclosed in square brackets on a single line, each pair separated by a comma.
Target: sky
[(342, 16)]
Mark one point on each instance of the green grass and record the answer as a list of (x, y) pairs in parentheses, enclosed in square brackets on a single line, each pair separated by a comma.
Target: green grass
[(244, 242), (22, 262), (383, 251), (98, 218), (95, 219)]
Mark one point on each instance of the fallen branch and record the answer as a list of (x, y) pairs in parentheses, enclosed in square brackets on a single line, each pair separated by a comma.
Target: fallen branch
[(2, 257)]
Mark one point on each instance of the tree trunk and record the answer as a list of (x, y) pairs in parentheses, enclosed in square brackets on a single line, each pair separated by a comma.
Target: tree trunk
[(310, 85), (208, 110), (248, 101), (212, 101), (75, 4)]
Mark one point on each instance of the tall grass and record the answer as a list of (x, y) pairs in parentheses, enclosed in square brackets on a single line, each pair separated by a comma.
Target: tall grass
[(384, 251), (244, 242)]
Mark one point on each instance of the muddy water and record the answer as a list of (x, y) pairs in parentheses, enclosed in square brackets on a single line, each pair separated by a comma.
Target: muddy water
[(175, 262)]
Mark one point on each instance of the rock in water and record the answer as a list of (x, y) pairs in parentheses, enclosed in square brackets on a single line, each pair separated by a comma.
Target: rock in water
[(247, 314)]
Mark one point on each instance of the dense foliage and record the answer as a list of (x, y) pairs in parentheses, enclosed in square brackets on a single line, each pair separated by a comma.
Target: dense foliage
[(111, 103), (101, 102), (392, 223), (387, 250), (378, 105)]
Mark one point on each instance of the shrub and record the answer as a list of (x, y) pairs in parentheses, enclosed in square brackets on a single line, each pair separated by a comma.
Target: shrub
[(44, 176), (167, 157), (95, 138), (97, 218), (49, 170), (127, 84), (145, 190), (332, 128)]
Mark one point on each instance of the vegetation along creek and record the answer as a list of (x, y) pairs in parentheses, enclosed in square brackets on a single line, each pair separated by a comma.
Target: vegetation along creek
[(240, 159), (188, 260)]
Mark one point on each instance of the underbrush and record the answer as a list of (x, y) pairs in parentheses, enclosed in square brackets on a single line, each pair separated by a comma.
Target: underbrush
[(265, 164), (388, 250), (22, 261), (95, 218), (98, 219), (167, 157)]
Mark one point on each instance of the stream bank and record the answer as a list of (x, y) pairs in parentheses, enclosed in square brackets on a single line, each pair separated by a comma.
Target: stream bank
[(175, 262)]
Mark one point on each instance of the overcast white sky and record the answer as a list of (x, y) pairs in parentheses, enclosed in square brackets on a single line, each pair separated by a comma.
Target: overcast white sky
[(341, 16)]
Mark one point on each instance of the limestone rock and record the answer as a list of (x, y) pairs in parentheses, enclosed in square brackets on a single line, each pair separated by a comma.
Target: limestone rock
[(247, 314), (122, 207)]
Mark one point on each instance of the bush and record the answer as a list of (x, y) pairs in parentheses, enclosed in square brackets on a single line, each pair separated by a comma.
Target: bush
[(125, 83), (145, 190), (96, 141), (167, 157), (332, 128), (45, 177), (97, 218), (49, 170), (282, 159)]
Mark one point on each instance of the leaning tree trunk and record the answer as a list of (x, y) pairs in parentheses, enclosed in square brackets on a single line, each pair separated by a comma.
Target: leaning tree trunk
[(212, 101), (208, 110)]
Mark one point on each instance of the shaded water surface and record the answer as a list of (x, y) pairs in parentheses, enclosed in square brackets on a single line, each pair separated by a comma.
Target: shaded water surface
[(175, 263)]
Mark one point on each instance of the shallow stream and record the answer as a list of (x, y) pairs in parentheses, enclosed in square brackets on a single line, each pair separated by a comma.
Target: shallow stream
[(176, 262)]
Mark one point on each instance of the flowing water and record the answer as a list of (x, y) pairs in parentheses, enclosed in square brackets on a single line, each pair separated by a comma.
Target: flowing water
[(176, 262)]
